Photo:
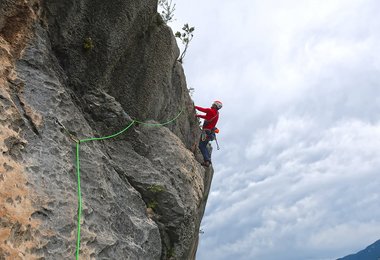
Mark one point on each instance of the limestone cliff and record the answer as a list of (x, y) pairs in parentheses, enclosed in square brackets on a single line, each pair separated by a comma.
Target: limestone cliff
[(83, 68)]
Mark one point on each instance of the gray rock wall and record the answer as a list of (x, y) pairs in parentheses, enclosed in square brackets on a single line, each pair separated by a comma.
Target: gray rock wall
[(144, 192), (133, 57)]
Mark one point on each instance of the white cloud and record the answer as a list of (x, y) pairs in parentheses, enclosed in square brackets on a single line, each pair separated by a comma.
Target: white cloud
[(300, 129), (305, 183)]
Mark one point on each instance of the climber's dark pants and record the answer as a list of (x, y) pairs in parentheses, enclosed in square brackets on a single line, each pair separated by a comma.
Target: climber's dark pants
[(204, 150), (206, 136)]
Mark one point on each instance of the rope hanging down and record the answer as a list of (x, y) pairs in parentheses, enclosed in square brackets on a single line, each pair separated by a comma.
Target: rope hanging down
[(78, 166)]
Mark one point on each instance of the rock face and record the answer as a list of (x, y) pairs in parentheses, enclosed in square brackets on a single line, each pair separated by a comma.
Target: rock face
[(76, 69)]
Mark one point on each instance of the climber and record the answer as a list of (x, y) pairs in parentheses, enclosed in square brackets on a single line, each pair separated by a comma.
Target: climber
[(208, 130)]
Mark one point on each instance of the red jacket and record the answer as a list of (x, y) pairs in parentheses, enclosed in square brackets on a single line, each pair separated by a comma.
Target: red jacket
[(211, 117)]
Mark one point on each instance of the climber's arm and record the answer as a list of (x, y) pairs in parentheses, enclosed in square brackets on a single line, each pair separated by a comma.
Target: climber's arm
[(205, 110)]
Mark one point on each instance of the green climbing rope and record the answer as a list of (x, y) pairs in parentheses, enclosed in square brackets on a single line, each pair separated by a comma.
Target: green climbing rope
[(79, 203), (78, 166), (108, 136), (160, 124)]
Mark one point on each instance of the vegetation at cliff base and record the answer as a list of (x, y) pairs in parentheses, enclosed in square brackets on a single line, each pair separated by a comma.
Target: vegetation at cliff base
[(156, 188), (88, 44)]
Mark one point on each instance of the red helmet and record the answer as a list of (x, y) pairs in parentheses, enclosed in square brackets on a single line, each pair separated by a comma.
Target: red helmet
[(218, 104)]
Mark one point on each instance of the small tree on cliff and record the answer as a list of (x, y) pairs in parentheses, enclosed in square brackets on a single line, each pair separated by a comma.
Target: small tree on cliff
[(167, 13), (167, 10), (186, 36)]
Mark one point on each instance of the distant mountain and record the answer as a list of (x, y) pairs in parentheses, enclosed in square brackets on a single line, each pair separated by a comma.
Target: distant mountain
[(372, 252)]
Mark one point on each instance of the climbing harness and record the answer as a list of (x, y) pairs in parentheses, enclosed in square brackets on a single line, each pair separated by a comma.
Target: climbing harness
[(78, 142), (210, 135)]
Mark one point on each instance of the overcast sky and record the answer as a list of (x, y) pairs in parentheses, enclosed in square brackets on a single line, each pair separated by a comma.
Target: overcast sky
[(297, 176)]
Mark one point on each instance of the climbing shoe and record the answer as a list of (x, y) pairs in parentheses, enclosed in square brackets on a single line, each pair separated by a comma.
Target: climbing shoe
[(206, 163)]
